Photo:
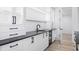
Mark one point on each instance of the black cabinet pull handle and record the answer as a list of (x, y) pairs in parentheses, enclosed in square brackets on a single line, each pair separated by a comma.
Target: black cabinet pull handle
[(14, 19), (46, 34), (14, 46), (43, 35), (13, 28), (13, 34), (32, 40)]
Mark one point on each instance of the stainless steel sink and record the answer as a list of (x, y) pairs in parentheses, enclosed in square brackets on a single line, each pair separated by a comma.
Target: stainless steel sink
[(40, 31)]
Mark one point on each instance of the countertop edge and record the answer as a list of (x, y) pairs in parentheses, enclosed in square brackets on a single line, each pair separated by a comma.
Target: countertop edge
[(4, 43)]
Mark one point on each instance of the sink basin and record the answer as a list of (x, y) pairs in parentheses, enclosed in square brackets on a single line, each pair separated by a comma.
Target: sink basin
[(41, 30)]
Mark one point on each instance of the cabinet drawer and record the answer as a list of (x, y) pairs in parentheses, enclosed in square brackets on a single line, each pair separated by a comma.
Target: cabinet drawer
[(9, 31), (17, 30), (7, 28), (16, 27), (17, 33), (5, 35), (10, 46), (21, 45), (4, 28)]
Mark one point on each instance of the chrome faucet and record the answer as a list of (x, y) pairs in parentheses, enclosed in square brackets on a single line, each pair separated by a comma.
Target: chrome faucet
[(37, 27)]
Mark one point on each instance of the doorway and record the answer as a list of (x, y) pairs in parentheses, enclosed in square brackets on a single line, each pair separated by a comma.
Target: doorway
[(63, 24)]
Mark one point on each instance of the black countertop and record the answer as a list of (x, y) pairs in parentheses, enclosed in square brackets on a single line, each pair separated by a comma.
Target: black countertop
[(28, 34)]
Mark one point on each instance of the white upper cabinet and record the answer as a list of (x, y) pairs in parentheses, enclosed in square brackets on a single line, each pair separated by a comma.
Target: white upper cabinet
[(34, 13), (5, 15), (44, 9), (10, 15), (11, 22), (19, 13), (7, 9)]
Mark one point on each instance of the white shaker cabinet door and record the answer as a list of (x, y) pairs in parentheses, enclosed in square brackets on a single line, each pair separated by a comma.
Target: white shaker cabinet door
[(41, 42), (44, 9), (24, 45), (36, 43), (19, 13), (44, 41), (12, 15), (33, 44), (34, 14)]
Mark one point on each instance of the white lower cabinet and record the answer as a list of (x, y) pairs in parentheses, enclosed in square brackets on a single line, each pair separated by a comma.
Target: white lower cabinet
[(24, 44), (46, 40), (41, 42), (39, 39), (34, 43)]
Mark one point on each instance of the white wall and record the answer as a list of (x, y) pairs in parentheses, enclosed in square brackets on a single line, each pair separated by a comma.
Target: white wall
[(75, 19), (31, 25), (75, 22), (57, 22), (67, 24), (56, 18)]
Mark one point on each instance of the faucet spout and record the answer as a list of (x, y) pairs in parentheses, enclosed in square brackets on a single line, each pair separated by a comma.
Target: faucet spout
[(37, 27)]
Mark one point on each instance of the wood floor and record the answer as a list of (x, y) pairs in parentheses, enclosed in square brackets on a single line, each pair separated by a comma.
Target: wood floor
[(66, 44)]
